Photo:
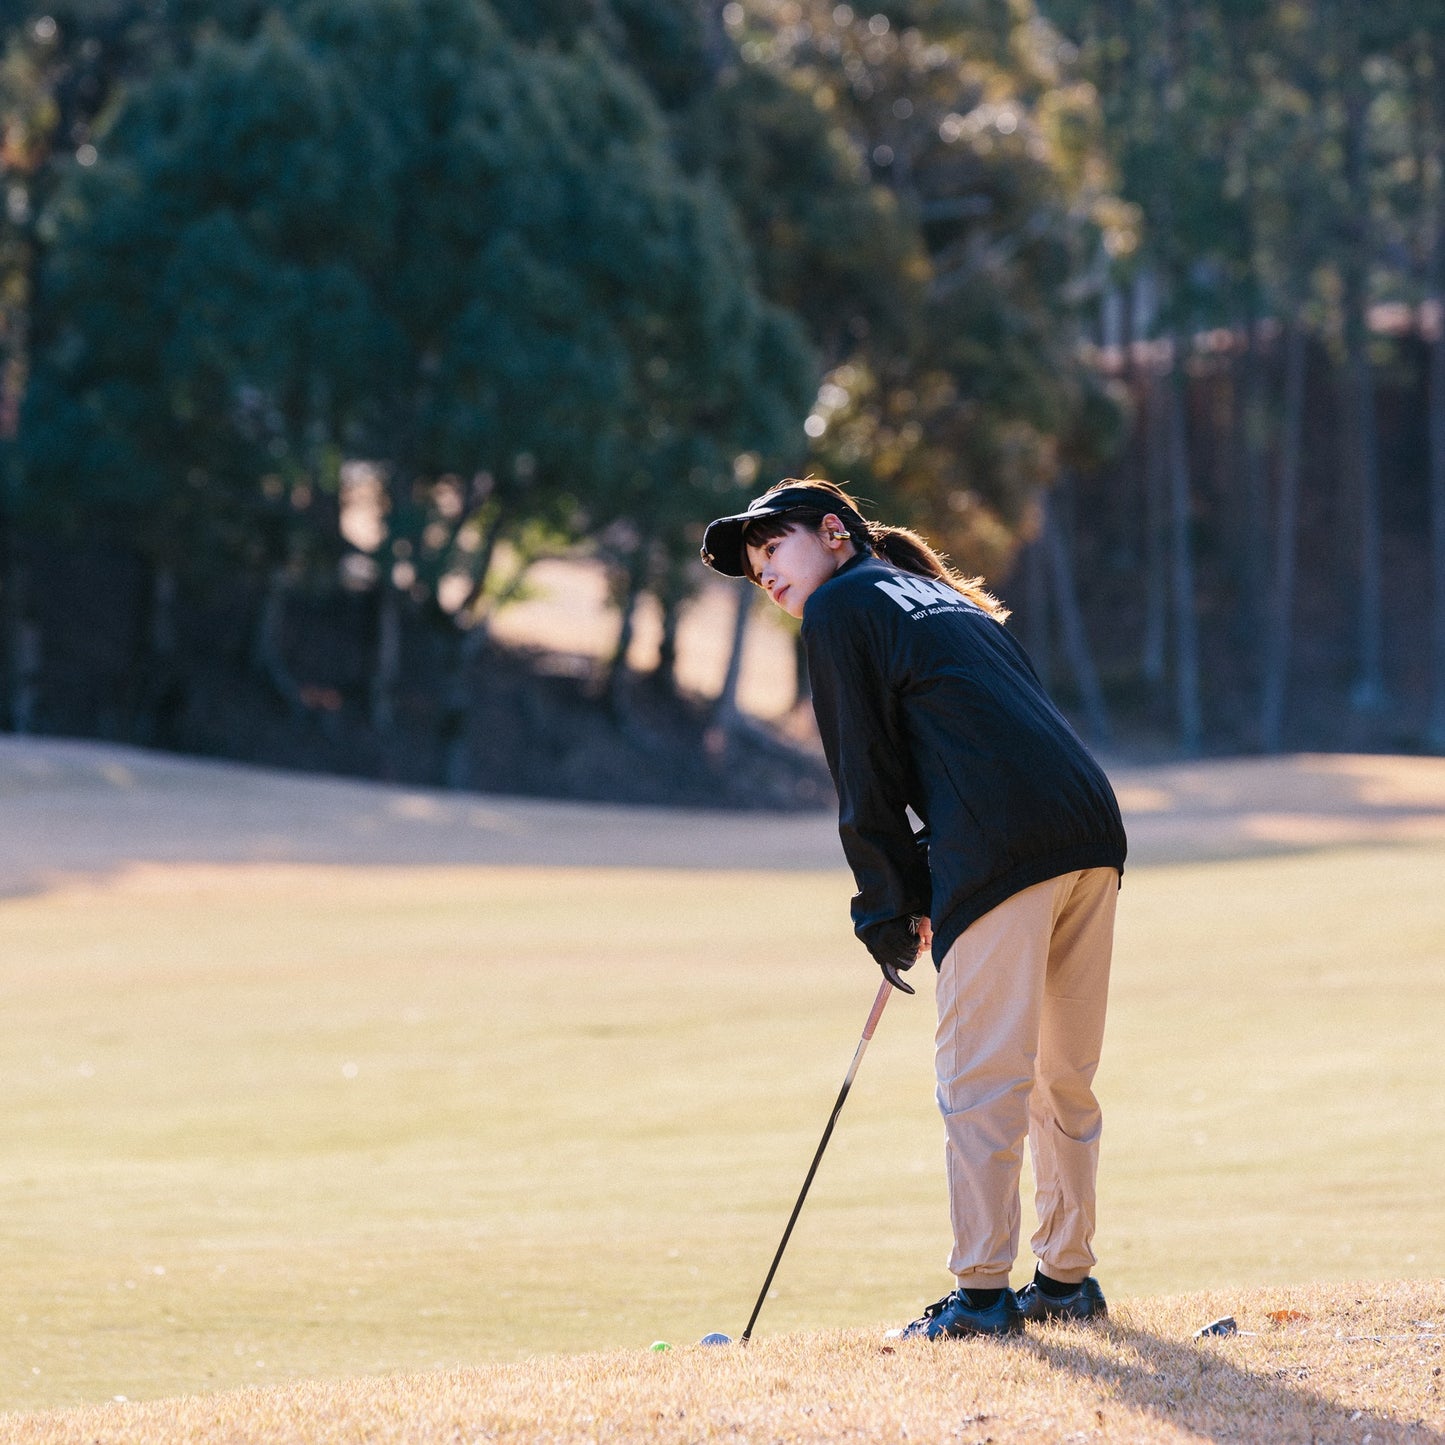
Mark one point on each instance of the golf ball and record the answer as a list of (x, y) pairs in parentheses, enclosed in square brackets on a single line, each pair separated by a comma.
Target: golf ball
[(716, 1338), (659, 1345)]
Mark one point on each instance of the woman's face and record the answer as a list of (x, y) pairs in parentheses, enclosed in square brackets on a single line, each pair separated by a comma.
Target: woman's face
[(792, 567)]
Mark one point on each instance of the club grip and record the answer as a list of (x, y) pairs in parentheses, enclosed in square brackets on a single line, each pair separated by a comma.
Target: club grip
[(884, 989)]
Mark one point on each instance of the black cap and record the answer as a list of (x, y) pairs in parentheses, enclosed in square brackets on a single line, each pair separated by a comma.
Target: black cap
[(722, 543)]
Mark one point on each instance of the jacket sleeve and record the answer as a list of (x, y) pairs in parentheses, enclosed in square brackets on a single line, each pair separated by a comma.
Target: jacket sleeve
[(872, 771)]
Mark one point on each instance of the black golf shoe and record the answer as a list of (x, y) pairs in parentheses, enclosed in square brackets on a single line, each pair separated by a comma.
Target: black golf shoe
[(1084, 1303), (953, 1317)]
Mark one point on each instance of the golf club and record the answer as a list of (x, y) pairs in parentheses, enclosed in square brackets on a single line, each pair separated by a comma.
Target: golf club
[(874, 1014)]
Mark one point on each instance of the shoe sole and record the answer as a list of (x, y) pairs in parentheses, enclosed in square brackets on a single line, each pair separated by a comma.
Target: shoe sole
[(1066, 1317), (1014, 1327)]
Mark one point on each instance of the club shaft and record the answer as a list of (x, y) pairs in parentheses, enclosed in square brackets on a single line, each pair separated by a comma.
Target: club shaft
[(874, 1015)]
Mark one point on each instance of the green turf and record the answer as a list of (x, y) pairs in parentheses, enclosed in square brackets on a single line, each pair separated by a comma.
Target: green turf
[(316, 1122)]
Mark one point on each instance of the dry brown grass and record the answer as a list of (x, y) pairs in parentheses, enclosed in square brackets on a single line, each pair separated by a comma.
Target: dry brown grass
[(1343, 1363)]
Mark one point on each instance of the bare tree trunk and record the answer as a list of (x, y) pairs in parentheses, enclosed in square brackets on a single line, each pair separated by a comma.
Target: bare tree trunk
[(1430, 130), (1156, 583), (12, 571), (1250, 412), (268, 651), (1368, 694), (725, 711), (617, 667), (672, 595), (156, 692), (666, 674), (23, 651), (618, 664), (9, 611), (1071, 626), (1186, 632), (472, 621), (27, 664), (1436, 727), (456, 712), (458, 694), (482, 568), (1169, 493), (1279, 631), (386, 670), (19, 643), (164, 592), (1035, 567)]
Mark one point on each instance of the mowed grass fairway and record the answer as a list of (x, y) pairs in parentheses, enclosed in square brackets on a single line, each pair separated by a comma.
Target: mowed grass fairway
[(276, 1120)]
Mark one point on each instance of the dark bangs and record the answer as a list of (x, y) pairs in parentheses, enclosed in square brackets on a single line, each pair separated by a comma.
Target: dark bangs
[(766, 529)]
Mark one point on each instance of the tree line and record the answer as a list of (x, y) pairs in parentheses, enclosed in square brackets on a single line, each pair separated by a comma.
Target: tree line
[(551, 273), (529, 274), (1283, 295)]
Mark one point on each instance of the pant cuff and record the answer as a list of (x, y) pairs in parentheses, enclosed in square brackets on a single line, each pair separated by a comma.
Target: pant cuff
[(1065, 1276), (975, 1280)]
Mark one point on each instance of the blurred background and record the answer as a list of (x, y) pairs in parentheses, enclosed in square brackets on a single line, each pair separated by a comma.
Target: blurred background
[(369, 368)]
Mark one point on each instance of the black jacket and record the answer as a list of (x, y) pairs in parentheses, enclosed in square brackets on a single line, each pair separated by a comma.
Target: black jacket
[(924, 701)]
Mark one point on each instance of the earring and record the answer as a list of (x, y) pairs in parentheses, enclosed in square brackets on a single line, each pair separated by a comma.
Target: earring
[(839, 536)]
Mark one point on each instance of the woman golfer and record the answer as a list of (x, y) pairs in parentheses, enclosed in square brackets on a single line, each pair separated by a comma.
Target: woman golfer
[(924, 701)]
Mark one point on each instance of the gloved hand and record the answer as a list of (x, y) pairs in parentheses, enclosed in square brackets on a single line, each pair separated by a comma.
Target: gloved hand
[(895, 962)]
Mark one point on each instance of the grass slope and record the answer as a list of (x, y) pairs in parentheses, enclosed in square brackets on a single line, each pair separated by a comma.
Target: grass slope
[(1360, 1364)]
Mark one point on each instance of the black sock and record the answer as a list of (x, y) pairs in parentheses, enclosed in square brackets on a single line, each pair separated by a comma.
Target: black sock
[(981, 1299), (1053, 1288)]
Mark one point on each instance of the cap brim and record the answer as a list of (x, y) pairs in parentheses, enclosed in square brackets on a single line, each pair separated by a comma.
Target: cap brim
[(722, 543)]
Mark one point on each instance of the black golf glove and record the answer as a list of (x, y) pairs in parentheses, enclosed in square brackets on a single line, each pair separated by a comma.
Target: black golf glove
[(894, 946)]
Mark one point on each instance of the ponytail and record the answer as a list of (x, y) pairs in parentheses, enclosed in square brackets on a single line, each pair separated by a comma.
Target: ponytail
[(907, 551)]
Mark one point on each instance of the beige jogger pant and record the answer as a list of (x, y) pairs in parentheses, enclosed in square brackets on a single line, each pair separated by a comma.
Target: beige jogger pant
[(1021, 1000)]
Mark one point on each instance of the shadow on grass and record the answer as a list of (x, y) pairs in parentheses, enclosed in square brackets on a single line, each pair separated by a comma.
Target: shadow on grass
[(1194, 1386), (91, 809)]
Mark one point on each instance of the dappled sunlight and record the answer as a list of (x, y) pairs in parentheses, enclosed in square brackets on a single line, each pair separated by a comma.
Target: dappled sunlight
[(79, 808), (566, 609), (1136, 798), (66, 817), (1386, 782), (1248, 807)]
